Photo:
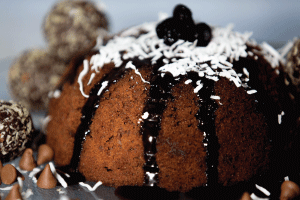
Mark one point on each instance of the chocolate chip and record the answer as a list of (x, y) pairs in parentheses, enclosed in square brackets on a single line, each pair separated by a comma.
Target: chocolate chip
[(27, 161), (289, 190), (9, 174), (45, 154), (246, 196), (46, 179), (14, 193)]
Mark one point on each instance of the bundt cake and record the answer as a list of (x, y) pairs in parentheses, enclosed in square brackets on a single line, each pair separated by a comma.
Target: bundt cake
[(171, 104)]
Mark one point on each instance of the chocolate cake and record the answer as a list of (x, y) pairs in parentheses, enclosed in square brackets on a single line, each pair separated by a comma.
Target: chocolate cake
[(171, 104)]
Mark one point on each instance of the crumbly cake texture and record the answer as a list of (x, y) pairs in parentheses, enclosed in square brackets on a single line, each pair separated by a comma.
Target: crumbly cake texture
[(32, 76), (71, 26), (16, 129), (220, 85)]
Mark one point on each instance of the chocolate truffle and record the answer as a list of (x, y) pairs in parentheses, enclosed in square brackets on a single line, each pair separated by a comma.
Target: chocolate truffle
[(71, 26), (292, 69), (32, 76), (16, 129)]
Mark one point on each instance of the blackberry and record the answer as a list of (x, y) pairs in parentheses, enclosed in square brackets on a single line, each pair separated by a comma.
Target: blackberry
[(202, 34), (168, 30), (182, 26), (182, 13)]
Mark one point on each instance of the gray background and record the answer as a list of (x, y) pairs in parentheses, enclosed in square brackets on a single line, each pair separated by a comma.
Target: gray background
[(271, 20)]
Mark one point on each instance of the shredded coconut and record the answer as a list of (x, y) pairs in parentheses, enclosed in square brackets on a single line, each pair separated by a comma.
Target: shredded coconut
[(57, 176), (91, 189), (263, 190), (181, 57), (145, 115)]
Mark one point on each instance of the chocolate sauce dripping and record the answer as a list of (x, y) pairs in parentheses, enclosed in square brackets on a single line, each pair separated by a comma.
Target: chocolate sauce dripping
[(206, 118), (159, 94), (88, 112)]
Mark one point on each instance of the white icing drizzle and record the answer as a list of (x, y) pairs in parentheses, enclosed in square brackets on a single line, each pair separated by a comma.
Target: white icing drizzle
[(81, 75), (91, 189), (103, 86), (91, 78), (129, 65), (263, 190)]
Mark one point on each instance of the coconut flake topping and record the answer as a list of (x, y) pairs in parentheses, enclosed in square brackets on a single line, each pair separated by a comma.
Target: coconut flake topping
[(180, 58)]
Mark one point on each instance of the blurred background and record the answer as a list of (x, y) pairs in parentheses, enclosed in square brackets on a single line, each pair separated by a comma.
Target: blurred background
[(274, 21)]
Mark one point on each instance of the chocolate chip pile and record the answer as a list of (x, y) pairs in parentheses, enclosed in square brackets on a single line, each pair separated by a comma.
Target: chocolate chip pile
[(16, 129), (10, 174), (70, 27)]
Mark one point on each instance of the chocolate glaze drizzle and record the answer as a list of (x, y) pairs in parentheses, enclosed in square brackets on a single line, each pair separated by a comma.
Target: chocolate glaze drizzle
[(160, 93), (206, 117), (88, 112)]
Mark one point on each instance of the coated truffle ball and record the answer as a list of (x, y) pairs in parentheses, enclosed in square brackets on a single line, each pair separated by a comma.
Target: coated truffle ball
[(292, 78), (71, 26), (32, 76), (292, 70), (16, 129)]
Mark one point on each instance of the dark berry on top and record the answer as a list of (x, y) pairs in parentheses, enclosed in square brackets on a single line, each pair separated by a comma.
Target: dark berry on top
[(168, 30), (182, 26), (182, 13), (203, 34)]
